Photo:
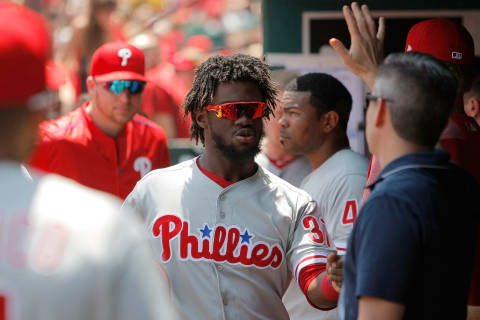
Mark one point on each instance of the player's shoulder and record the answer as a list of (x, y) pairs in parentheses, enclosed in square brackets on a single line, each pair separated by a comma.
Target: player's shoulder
[(346, 162), (262, 160), (146, 127), (62, 127), (282, 187), (61, 193), (169, 174), (92, 220)]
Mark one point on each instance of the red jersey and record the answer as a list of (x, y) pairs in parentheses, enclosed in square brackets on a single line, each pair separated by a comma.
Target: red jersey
[(74, 147), (461, 139)]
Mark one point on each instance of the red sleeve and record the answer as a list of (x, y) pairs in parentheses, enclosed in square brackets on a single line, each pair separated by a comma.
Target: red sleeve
[(40, 156), (454, 149), (162, 158), (373, 172), (306, 276)]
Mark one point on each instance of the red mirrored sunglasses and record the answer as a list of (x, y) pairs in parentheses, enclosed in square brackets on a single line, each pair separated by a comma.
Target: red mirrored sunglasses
[(235, 110)]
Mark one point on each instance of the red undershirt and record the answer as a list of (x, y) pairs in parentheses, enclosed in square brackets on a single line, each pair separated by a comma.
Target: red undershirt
[(215, 178), (280, 164)]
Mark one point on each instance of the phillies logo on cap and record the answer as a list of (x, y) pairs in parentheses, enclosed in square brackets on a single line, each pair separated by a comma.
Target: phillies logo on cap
[(125, 54), (118, 60)]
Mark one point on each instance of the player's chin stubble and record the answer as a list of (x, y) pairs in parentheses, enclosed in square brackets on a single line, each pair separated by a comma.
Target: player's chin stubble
[(234, 154)]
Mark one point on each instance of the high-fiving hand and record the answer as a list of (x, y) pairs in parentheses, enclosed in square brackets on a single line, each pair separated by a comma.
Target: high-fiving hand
[(366, 49)]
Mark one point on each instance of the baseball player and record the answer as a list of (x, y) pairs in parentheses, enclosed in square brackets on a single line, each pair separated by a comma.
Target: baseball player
[(290, 167), (104, 144), (230, 234), (315, 109), (65, 252)]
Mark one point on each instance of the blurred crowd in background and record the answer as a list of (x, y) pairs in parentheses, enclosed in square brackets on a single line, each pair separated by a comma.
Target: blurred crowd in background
[(175, 35)]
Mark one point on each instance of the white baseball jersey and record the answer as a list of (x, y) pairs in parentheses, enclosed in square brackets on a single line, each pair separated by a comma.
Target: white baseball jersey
[(230, 252), (293, 172), (67, 253), (337, 187)]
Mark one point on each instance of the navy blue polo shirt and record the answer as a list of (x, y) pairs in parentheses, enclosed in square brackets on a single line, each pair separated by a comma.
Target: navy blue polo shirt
[(414, 238)]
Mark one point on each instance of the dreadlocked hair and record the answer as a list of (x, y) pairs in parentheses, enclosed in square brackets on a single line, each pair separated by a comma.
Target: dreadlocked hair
[(223, 69)]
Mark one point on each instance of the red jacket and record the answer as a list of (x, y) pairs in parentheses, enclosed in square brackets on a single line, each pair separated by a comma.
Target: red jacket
[(74, 147)]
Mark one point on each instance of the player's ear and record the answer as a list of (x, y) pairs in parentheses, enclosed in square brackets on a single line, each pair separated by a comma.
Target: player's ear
[(330, 121), (381, 113), (472, 109), (90, 84), (202, 118)]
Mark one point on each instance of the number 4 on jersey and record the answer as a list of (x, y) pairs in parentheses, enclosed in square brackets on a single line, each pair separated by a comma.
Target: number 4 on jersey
[(3, 308), (7, 311), (350, 212)]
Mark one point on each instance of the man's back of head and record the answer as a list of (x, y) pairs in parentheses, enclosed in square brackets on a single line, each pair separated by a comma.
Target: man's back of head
[(422, 91), (23, 56)]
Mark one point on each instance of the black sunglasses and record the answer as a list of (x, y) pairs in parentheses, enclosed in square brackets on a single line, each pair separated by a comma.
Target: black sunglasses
[(370, 97)]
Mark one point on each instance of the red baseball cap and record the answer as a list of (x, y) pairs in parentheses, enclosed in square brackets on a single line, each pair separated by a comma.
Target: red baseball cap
[(118, 60), (24, 51), (443, 39)]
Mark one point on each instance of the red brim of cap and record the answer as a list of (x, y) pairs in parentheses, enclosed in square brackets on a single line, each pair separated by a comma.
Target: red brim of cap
[(120, 75)]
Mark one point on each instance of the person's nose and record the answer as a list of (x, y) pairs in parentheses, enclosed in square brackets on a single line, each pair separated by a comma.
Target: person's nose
[(283, 121), (244, 120), (124, 96)]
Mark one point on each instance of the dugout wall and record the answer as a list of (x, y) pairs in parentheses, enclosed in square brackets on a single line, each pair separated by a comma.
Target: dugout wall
[(296, 34)]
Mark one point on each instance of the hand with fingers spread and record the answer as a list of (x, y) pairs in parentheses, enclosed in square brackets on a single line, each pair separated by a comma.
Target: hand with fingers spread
[(366, 49), (335, 270)]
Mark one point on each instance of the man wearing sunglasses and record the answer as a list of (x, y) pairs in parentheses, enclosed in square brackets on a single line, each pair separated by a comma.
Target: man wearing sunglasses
[(104, 144), (231, 235)]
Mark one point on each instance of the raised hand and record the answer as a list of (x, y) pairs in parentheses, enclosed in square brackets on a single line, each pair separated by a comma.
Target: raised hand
[(366, 49)]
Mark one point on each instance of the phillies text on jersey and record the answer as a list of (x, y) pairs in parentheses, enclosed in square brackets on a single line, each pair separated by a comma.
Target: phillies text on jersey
[(220, 244), (230, 252)]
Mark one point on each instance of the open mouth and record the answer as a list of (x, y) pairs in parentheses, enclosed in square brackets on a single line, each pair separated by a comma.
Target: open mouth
[(245, 135)]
